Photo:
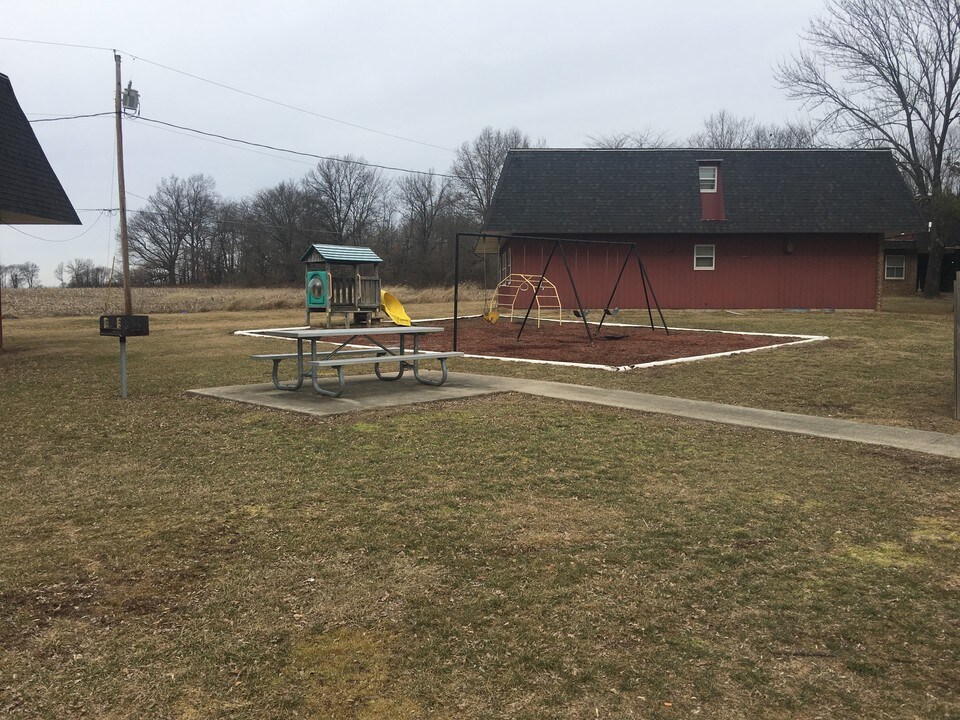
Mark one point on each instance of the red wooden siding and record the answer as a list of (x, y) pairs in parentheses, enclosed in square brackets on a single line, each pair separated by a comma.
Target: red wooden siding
[(751, 271)]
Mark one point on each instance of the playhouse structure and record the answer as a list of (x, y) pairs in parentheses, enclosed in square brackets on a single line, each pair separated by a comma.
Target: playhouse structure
[(344, 281)]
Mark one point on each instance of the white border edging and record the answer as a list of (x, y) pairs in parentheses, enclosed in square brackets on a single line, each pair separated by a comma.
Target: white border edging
[(794, 340)]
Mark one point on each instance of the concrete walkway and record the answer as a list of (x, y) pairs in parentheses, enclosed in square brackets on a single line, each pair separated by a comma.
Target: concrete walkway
[(367, 392)]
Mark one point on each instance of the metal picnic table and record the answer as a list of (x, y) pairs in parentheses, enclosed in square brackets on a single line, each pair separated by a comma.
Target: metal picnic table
[(348, 351)]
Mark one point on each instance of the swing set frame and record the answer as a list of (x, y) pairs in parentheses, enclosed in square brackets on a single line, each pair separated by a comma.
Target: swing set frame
[(558, 244)]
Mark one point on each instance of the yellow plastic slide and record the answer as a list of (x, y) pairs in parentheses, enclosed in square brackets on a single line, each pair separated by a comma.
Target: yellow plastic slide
[(392, 307)]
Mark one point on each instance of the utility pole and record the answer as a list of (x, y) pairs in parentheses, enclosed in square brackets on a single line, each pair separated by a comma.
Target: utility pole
[(124, 248), (128, 324)]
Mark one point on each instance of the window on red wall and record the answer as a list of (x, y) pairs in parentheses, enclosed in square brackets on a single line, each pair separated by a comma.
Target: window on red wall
[(704, 257)]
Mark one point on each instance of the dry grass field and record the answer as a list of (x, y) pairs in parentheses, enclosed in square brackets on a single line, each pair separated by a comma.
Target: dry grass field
[(501, 557), (64, 302)]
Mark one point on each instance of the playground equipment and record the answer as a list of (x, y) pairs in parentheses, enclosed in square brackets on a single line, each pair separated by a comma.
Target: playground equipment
[(515, 284), (394, 310), (489, 243), (343, 280)]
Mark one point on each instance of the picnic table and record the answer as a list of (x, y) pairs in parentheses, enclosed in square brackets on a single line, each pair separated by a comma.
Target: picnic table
[(354, 346)]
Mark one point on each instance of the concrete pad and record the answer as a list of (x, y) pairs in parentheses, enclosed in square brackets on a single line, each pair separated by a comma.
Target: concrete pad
[(362, 392)]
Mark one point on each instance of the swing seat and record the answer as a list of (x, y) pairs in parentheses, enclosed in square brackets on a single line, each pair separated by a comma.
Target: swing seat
[(492, 316)]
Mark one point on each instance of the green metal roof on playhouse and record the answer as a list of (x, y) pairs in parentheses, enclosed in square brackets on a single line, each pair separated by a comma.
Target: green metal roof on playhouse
[(335, 254)]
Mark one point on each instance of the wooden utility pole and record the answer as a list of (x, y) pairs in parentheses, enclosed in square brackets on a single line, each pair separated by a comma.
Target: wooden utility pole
[(124, 251)]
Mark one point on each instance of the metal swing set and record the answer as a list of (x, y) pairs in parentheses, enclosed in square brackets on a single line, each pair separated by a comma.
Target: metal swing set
[(545, 291)]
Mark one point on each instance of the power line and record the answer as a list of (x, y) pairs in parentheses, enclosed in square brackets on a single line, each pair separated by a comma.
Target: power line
[(234, 147), (75, 237), (58, 44), (71, 117), (296, 152), (255, 144)]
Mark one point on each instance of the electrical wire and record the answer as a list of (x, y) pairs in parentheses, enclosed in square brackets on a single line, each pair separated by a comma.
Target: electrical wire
[(37, 237), (58, 44), (71, 117), (253, 144), (297, 152), (234, 147)]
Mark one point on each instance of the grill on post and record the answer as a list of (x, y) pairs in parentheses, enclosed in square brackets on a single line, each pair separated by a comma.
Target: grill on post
[(343, 280)]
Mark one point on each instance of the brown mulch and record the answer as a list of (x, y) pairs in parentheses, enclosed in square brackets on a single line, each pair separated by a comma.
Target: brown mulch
[(567, 342)]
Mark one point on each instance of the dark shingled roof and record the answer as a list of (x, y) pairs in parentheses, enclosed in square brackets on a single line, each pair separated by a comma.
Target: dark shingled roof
[(585, 192), (30, 192)]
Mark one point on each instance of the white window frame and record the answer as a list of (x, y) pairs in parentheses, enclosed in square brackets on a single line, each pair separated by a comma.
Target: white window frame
[(712, 177), (902, 268), (704, 251)]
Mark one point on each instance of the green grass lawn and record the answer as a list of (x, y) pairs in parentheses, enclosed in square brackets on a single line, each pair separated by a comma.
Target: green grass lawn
[(505, 556)]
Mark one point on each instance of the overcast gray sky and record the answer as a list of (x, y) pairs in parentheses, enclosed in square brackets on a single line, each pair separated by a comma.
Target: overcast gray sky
[(431, 72)]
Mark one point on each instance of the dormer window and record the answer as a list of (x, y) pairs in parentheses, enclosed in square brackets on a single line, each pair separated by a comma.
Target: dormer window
[(711, 190), (708, 178)]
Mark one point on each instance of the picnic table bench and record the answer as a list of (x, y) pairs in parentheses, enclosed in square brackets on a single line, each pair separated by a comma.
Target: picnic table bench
[(346, 353)]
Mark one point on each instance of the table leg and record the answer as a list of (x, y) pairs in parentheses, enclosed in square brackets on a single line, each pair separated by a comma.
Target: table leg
[(276, 371), (401, 365), (416, 367), (341, 382)]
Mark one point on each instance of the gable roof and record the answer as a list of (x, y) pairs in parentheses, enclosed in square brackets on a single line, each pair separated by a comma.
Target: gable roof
[(30, 192), (340, 254), (563, 192)]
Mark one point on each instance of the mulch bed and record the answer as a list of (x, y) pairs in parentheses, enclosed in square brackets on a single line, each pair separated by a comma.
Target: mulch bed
[(567, 342)]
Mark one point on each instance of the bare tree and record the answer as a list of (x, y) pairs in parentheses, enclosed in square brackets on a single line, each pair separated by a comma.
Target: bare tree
[(887, 73), (226, 247), (10, 276), (157, 234), (723, 130), (200, 210), (647, 138), (791, 135), (172, 234), (14, 275), (84, 273), (29, 273), (347, 194), (59, 272), (477, 165), (278, 219), (422, 199)]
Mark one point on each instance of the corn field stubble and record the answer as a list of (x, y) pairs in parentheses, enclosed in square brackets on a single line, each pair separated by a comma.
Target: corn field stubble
[(498, 557)]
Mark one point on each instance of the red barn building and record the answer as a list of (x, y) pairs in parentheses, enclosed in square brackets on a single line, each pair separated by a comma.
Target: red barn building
[(714, 228)]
